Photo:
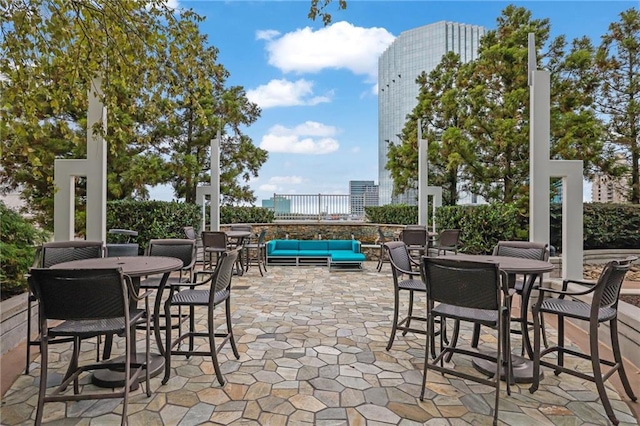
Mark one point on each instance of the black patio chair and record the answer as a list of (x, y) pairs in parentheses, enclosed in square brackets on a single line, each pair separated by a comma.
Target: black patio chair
[(213, 243), (50, 254), (256, 253), (382, 256), (219, 291), (474, 292), (448, 240), (522, 285), (602, 308), (416, 240), (89, 302), (406, 278)]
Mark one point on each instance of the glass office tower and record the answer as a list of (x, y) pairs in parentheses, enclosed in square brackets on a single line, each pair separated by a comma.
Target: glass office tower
[(411, 53)]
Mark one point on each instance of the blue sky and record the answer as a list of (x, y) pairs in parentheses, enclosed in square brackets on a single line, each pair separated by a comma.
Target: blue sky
[(317, 85)]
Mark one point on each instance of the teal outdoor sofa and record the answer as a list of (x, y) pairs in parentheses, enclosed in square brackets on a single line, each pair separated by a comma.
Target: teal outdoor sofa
[(315, 252)]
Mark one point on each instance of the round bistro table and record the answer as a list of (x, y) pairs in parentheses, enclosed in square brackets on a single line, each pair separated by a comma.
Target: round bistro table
[(522, 367), (135, 267)]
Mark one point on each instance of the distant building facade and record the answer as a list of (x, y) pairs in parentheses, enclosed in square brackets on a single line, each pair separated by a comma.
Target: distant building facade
[(413, 52), (605, 189), (363, 193), (280, 205)]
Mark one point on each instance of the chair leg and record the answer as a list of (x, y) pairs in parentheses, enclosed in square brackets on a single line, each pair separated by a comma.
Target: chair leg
[(168, 343), (108, 344), (212, 348), (127, 372), (44, 363), (380, 259), (597, 372), (454, 336), (430, 338), (26, 369), (560, 343), (617, 356), (232, 340), (263, 252), (536, 351), (394, 325), (475, 340), (409, 313)]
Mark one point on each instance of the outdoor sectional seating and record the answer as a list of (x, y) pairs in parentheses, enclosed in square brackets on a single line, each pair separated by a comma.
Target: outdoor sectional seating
[(315, 252)]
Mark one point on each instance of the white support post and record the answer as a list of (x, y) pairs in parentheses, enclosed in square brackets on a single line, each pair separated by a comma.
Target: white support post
[(215, 183), (201, 199), (542, 169), (94, 167), (423, 178)]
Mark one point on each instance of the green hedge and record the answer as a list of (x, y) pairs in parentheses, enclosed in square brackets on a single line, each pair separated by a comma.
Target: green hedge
[(232, 214), (17, 250), (399, 214), (606, 225), (151, 219)]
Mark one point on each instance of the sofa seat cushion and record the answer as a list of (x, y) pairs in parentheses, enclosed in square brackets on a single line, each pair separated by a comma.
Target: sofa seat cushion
[(285, 253), (341, 245), (346, 256), (313, 253)]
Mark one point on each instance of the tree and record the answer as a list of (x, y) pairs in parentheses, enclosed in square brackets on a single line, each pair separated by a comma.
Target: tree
[(617, 67), (439, 110), (318, 8), (52, 49), (487, 136)]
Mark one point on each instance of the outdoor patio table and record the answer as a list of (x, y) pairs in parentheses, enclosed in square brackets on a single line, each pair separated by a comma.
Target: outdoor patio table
[(522, 367), (135, 267)]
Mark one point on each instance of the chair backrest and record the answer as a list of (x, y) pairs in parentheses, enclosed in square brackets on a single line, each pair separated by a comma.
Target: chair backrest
[(65, 251), (415, 227), (216, 239), (240, 227), (607, 289), (224, 272), (79, 294), (414, 237), (399, 258), (190, 232), (262, 237), (449, 237), (381, 237), (476, 285), (522, 249), (181, 248)]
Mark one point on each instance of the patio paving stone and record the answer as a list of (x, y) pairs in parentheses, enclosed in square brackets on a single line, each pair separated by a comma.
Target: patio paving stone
[(312, 351)]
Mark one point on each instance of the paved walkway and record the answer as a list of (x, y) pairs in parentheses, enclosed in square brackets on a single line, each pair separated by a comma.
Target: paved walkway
[(312, 346)]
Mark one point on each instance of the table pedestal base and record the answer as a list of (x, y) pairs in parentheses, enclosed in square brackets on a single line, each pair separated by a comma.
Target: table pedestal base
[(114, 379), (522, 368)]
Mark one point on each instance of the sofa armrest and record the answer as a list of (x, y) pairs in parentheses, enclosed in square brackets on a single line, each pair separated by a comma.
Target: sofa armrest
[(355, 246)]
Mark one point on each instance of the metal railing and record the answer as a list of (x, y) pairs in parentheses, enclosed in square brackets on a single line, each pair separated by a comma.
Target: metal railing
[(321, 207)]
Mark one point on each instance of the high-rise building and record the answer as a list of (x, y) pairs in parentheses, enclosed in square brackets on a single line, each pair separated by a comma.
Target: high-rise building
[(363, 193), (411, 53), (605, 189)]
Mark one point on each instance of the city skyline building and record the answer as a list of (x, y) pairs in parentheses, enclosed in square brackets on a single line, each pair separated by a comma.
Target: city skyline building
[(412, 52), (363, 193), (607, 189)]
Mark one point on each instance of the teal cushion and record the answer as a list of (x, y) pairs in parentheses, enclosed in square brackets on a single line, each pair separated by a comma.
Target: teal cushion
[(314, 253), (347, 256), (340, 245), (284, 253), (287, 244), (313, 245)]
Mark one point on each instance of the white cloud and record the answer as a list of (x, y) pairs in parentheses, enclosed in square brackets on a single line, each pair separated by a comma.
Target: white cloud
[(267, 34), (286, 93), (288, 180), (268, 187), (338, 46), (309, 137)]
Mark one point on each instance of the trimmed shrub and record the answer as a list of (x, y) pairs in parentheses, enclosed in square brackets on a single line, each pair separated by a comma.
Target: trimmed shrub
[(399, 214), (234, 214), (17, 250)]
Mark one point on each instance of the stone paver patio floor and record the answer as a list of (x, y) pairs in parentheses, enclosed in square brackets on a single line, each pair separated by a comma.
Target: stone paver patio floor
[(312, 351)]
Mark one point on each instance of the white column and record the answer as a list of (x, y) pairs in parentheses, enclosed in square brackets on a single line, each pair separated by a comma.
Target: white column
[(542, 169), (94, 167), (97, 161), (423, 179), (215, 183)]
